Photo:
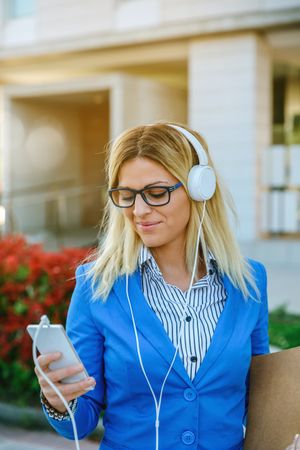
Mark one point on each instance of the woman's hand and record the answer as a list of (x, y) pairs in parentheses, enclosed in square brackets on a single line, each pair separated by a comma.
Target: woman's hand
[(296, 443), (70, 390)]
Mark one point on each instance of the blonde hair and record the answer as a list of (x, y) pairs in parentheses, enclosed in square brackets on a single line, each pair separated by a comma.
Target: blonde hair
[(119, 248)]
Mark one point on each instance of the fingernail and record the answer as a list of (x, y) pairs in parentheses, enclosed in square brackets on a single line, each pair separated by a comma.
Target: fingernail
[(90, 388)]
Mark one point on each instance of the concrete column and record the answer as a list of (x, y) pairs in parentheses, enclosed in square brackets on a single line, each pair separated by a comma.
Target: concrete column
[(230, 104)]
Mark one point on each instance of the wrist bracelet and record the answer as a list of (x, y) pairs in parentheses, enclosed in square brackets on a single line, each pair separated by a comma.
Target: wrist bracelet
[(54, 413)]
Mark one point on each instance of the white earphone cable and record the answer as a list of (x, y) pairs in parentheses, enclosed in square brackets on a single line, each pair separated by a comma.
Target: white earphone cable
[(158, 403), (44, 322)]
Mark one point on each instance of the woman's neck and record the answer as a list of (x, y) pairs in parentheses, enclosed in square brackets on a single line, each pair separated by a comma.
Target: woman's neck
[(171, 261), (170, 256)]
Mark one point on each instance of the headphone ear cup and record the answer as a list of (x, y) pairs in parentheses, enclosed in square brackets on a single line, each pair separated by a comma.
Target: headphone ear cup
[(201, 183)]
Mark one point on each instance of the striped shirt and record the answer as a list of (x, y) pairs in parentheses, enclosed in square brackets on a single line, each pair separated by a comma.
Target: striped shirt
[(206, 302)]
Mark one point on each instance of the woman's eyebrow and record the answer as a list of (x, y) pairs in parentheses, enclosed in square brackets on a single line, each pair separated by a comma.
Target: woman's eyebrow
[(147, 185), (156, 182)]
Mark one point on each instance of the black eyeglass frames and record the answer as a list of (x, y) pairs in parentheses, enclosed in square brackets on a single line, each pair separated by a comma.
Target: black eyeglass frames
[(152, 195)]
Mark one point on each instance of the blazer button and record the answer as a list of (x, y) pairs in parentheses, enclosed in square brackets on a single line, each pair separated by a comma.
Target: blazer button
[(189, 394), (188, 437)]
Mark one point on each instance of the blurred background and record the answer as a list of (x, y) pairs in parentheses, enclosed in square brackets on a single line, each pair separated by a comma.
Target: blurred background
[(74, 74)]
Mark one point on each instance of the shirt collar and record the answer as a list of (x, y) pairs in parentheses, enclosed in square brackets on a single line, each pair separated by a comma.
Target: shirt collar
[(146, 259), (144, 256)]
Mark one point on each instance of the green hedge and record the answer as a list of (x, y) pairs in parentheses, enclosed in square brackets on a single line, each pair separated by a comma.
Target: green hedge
[(284, 328), (33, 282)]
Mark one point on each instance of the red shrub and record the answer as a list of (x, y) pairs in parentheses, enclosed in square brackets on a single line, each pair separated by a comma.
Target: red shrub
[(32, 282)]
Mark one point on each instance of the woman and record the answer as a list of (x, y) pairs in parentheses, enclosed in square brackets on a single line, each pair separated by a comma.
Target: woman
[(168, 314)]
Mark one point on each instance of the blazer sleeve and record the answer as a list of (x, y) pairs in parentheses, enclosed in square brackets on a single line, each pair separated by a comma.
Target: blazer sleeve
[(260, 334), (88, 342)]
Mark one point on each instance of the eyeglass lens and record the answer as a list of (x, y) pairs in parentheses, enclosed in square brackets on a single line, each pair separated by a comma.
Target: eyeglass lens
[(154, 196)]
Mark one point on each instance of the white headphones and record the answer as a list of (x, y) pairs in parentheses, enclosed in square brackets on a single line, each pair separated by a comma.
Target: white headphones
[(201, 182)]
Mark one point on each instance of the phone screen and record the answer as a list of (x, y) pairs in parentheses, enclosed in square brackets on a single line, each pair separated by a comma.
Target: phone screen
[(53, 338)]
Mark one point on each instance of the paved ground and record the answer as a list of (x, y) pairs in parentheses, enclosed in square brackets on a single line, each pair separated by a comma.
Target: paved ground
[(18, 439)]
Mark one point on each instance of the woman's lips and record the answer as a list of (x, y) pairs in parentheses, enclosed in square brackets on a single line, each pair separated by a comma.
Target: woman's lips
[(145, 226)]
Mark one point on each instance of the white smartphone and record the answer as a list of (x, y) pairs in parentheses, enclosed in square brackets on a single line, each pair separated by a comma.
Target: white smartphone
[(53, 338)]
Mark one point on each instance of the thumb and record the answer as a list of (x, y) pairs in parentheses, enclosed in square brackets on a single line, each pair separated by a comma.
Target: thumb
[(296, 442)]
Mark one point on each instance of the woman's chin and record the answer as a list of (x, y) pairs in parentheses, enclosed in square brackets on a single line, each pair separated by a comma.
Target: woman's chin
[(151, 241)]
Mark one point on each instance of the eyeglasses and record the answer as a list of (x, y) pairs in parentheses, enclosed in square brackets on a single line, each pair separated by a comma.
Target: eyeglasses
[(152, 195)]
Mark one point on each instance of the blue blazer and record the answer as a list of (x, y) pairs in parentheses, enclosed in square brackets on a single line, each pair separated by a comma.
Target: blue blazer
[(204, 414)]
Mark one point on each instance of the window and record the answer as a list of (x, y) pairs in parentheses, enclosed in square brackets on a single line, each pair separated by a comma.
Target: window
[(16, 9), (279, 100)]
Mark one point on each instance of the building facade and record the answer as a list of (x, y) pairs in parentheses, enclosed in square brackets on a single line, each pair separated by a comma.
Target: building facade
[(74, 74)]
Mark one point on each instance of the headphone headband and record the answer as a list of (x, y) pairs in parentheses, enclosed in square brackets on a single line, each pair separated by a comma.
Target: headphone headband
[(202, 156)]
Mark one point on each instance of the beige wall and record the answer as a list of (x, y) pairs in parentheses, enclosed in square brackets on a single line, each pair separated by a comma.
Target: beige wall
[(138, 100), (57, 20), (202, 9)]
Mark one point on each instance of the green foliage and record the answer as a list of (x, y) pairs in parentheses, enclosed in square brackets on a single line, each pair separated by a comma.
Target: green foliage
[(284, 328), (18, 385)]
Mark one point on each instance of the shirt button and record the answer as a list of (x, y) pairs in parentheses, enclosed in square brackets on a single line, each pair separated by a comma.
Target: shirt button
[(194, 358), (189, 394), (188, 318), (210, 271), (188, 437)]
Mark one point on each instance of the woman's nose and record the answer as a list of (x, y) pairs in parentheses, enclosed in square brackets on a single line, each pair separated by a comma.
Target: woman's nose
[(140, 206)]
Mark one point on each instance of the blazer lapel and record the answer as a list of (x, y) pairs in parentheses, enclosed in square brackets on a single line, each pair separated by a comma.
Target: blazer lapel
[(147, 322), (224, 329)]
